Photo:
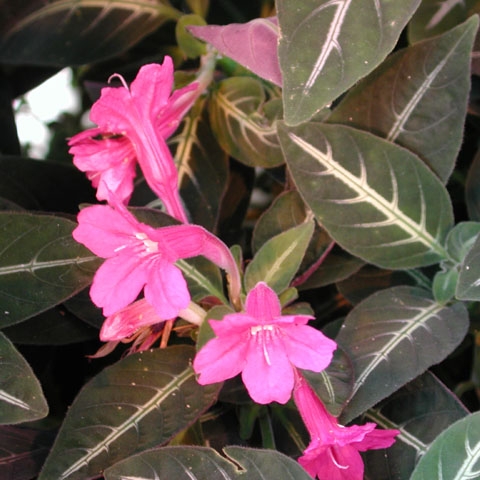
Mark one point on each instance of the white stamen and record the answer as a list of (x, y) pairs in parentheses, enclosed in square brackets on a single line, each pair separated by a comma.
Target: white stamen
[(263, 328), (117, 75), (342, 467)]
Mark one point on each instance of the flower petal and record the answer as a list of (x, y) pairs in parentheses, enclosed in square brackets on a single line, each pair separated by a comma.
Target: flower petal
[(268, 375), (308, 348), (117, 283), (220, 359), (104, 230), (127, 321), (262, 303), (377, 439), (152, 87), (166, 289)]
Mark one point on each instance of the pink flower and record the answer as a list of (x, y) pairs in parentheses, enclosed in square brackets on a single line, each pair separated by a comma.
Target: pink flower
[(140, 257), (265, 346), (333, 453), (132, 126), (128, 320)]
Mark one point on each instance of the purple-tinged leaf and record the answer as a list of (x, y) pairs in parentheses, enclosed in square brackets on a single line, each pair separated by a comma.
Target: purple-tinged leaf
[(392, 337), (252, 44), (140, 402), (21, 397), (22, 451)]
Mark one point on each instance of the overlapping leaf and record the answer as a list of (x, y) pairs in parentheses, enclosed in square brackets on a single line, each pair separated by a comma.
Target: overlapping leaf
[(421, 411), (279, 258), (334, 384), (392, 337), (326, 46), (455, 454), (40, 264), (21, 396), (418, 98), (138, 403), (74, 32), (197, 463), (377, 200), (22, 451), (468, 287), (434, 17), (243, 121), (202, 168)]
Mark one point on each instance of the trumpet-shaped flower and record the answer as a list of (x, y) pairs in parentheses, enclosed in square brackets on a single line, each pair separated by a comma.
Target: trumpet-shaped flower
[(333, 453), (265, 346), (141, 257), (133, 124)]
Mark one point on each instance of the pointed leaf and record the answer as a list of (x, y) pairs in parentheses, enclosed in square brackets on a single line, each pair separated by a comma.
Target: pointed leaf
[(326, 46), (202, 168), (22, 451), (21, 396), (199, 463), (333, 385), (40, 264), (338, 266), (140, 402), (46, 185), (286, 211), (74, 32), (455, 454), (434, 17), (242, 121), (468, 287), (377, 200), (472, 189), (53, 327), (392, 337), (277, 262), (418, 98), (421, 411), (252, 44)]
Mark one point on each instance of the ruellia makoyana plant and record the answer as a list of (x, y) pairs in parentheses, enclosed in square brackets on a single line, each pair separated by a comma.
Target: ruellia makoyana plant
[(255, 252)]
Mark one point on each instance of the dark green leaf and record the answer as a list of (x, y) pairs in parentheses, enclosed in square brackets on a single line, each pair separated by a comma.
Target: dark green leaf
[(43, 185), (434, 17), (277, 261), (140, 402), (53, 327), (418, 98), (326, 46), (74, 32), (376, 199), (337, 266), (369, 280), (468, 287), (286, 211), (41, 265), (392, 337), (472, 189), (186, 41), (334, 384), (202, 168), (197, 463), (421, 410), (455, 454), (243, 122), (21, 396), (23, 451)]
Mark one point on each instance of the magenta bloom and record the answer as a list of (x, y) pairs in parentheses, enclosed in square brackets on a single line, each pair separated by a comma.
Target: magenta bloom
[(333, 453), (132, 126), (141, 257), (265, 346)]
